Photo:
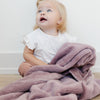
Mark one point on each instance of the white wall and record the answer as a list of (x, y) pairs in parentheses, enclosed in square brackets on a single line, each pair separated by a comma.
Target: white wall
[(17, 18), (84, 20)]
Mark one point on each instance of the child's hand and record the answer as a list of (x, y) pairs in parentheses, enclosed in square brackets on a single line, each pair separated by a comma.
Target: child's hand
[(24, 67)]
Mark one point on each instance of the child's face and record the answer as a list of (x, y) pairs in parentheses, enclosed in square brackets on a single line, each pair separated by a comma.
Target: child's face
[(47, 15)]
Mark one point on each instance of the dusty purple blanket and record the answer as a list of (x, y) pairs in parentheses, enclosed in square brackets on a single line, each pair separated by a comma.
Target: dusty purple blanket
[(67, 77)]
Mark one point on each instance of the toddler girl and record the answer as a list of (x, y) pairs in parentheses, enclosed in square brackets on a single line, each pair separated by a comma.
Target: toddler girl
[(49, 35)]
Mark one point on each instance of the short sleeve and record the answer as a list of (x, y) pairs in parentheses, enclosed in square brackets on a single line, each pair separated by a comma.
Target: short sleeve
[(29, 42)]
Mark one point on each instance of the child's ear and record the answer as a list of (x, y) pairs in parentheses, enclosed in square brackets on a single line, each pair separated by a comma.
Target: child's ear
[(59, 21)]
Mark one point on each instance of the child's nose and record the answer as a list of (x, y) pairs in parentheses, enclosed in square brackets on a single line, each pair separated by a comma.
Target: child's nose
[(43, 13)]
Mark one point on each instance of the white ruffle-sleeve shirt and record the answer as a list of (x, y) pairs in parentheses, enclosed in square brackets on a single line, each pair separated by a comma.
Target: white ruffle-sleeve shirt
[(46, 46)]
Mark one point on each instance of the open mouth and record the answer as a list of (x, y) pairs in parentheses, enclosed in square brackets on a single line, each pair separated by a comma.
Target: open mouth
[(42, 19)]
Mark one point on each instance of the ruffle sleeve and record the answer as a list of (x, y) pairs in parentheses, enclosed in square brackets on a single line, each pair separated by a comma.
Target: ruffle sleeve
[(29, 42)]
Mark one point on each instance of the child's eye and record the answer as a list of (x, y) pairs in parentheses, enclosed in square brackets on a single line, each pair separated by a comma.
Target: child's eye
[(39, 11), (49, 10)]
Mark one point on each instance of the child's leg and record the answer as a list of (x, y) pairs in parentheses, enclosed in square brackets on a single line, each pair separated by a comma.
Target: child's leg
[(23, 68)]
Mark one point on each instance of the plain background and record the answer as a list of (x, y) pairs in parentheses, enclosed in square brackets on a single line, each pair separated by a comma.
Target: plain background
[(17, 18)]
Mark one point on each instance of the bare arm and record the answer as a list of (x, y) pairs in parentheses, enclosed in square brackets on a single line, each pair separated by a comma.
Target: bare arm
[(30, 58)]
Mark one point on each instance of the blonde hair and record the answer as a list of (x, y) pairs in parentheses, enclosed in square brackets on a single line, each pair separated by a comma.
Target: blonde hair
[(62, 10)]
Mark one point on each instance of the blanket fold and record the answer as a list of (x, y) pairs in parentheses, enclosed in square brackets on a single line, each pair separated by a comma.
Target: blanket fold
[(67, 77)]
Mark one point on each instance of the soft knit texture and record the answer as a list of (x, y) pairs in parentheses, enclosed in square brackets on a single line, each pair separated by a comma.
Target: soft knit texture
[(68, 77)]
